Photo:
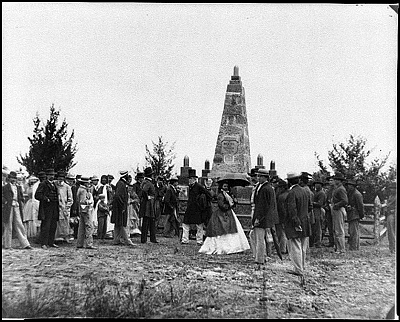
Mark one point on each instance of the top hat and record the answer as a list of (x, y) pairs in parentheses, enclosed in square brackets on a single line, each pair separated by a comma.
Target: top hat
[(12, 175), (253, 172), (338, 176), (293, 175), (148, 172), (263, 172), (192, 173), (50, 171)]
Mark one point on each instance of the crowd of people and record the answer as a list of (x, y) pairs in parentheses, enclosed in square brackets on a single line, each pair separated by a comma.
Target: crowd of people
[(291, 214)]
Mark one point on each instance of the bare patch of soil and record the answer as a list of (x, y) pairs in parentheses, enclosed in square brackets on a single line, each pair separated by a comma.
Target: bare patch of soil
[(357, 285)]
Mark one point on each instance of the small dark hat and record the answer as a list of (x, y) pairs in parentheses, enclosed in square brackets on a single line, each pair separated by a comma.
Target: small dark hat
[(338, 176), (352, 182), (139, 175), (104, 176), (50, 171), (12, 175), (192, 173), (110, 176), (305, 174), (282, 183), (173, 178), (41, 175), (318, 181), (61, 175), (148, 172)]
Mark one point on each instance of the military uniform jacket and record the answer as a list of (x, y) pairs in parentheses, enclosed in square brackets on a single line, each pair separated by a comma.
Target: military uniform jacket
[(7, 199), (265, 209), (193, 213), (355, 209), (339, 198), (298, 204)]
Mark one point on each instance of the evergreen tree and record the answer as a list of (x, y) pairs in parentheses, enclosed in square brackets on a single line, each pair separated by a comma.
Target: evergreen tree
[(50, 146), (161, 158), (350, 158)]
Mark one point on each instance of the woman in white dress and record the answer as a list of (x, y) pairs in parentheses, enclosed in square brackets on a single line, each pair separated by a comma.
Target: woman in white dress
[(225, 234), (31, 208)]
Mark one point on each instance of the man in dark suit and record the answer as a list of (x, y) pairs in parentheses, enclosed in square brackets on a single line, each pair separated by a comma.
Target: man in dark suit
[(119, 216), (12, 205), (147, 207), (297, 223), (194, 213), (47, 195), (265, 215), (171, 227)]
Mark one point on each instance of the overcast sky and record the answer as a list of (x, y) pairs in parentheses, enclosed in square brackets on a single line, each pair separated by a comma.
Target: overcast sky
[(124, 74)]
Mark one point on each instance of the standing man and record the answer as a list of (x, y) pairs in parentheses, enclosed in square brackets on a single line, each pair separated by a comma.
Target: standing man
[(73, 214), (391, 214), (138, 190), (194, 214), (47, 195), (355, 212), (297, 223), (281, 195), (12, 206), (160, 189), (304, 183), (328, 213), (85, 204), (171, 227), (265, 215), (147, 207), (338, 204), (65, 200), (119, 215), (319, 213)]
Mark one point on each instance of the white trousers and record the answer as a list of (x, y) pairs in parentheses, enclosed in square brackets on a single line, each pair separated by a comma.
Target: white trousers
[(199, 233), (15, 222), (297, 248)]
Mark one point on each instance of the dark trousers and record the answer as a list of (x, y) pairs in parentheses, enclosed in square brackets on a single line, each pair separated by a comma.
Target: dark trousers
[(101, 227), (48, 226), (171, 227), (329, 225), (148, 224)]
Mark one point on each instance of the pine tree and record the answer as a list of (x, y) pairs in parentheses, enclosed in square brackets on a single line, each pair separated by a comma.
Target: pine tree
[(50, 146), (161, 158)]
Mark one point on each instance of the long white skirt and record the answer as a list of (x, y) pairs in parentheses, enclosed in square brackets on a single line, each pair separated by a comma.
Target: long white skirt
[(226, 244)]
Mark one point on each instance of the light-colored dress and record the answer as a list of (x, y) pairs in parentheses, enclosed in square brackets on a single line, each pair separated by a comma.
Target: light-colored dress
[(30, 211), (65, 200), (133, 209), (225, 235)]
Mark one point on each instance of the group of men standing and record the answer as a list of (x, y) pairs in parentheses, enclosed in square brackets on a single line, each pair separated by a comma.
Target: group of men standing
[(297, 216)]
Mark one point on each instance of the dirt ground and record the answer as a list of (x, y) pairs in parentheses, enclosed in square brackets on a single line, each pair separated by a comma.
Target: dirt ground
[(357, 285)]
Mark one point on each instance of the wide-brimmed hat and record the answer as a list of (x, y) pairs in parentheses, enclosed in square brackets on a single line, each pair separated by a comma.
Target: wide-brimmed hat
[(148, 172), (70, 175), (33, 179), (282, 183), (94, 177), (84, 179), (123, 173), (305, 174), (50, 171), (173, 178), (12, 175), (192, 173), (293, 175), (263, 172), (338, 176)]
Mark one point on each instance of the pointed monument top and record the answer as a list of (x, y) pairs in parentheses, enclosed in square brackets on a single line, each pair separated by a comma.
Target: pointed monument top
[(236, 71)]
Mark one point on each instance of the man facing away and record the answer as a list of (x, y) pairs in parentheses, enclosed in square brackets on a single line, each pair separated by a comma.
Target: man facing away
[(147, 209), (355, 212)]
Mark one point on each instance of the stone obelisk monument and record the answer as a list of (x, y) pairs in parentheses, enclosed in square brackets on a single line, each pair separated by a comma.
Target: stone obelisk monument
[(232, 152)]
